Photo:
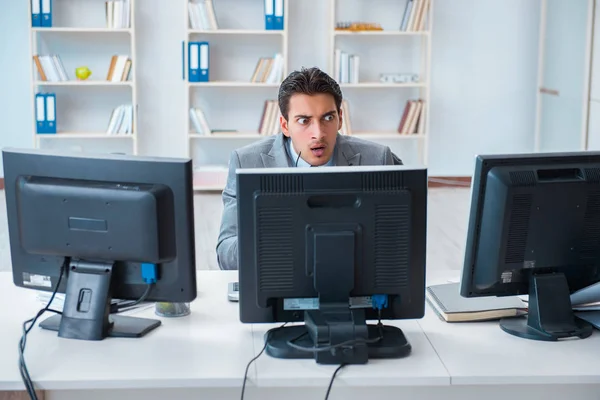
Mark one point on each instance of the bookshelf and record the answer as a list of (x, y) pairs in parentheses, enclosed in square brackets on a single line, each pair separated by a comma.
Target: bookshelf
[(95, 112), (380, 54), (246, 64)]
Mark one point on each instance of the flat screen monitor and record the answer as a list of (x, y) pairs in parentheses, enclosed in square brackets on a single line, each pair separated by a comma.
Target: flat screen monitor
[(534, 229), (331, 248), (104, 226)]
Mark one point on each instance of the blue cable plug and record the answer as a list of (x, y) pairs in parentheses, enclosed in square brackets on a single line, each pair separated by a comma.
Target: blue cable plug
[(149, 272), (379, 301)]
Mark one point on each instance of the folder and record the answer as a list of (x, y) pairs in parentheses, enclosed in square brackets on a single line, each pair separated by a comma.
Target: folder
[(46, 13), (36, 14), (194, 62), (204, 62), (50, 113), (269, 15), (278, 21), (40, 113)]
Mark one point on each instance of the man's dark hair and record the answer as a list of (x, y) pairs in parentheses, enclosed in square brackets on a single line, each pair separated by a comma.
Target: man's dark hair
[(307, 81)]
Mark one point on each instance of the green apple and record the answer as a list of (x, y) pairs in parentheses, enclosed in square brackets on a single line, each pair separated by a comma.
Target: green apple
[(82, 73)]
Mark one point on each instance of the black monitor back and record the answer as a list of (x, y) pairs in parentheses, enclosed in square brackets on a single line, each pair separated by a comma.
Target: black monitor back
[(280, 210), (532, 214), (61, 205)]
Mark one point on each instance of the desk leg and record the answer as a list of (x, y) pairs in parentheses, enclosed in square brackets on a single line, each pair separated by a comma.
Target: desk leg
[(22, 395)]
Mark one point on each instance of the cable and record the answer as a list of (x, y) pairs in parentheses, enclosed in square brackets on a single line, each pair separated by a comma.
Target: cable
[(332, 379), (22, 365), (120, 306), (298, 159), (255, 358)]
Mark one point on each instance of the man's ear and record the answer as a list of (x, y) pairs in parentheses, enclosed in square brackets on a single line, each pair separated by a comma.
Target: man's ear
[(340, 119), (284, 126)]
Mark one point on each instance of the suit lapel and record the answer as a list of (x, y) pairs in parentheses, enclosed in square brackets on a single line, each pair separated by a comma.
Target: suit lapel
[(277, 157), (344, 154)]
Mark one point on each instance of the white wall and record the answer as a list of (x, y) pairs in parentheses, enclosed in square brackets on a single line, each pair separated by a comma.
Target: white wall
[(483, 75)]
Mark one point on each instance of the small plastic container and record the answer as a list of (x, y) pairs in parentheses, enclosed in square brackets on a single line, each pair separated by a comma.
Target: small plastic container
[(172, 310)]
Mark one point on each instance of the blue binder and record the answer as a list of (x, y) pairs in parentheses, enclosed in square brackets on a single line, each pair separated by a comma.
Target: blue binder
[(269, 15), (50, 112), (46, 6), (278, 15), (204, 61), (36, 13), (40, 113), (194, 61)]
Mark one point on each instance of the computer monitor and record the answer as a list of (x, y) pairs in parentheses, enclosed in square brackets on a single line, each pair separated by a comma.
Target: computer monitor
[(110, 226), (332, 247), (534, 228)]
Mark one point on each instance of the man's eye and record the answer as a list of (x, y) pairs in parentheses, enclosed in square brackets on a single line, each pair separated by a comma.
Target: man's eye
[(329, 118), (302, 121)]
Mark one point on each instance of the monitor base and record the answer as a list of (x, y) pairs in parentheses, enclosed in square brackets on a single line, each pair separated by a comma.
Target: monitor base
[(550, 316), (121, 326), (519, 327), (393, 344), (86, 310)]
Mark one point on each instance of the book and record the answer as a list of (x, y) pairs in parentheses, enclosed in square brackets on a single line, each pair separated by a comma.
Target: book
[(450, 306)]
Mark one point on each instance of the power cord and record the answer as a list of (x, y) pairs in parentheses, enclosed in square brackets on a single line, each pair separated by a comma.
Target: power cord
[(119, 307), (332, 379), (255, 358), (22, 365)]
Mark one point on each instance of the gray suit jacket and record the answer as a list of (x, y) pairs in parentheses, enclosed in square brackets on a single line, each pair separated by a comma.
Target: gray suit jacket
[(271, 152)]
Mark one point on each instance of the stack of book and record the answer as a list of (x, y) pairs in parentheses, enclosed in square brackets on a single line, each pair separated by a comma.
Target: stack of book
[(346, 67), (415, 15), (118, 14), (346, 126), (269, 122), (199, 121), (119, 69), (268, 70), (121, 121), (413, 118), (50, 68), (202, 15)]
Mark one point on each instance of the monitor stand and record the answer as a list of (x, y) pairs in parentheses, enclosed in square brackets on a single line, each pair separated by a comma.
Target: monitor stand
[(86, 311), (335, 333), (550, 316)]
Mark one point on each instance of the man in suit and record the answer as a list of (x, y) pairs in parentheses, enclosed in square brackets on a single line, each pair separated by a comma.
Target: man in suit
[(310, 105)]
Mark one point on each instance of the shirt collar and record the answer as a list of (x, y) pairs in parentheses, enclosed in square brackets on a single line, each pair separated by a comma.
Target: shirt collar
[(301, 162)]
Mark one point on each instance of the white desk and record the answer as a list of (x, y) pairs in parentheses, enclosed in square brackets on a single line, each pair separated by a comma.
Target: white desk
[(205, 354)]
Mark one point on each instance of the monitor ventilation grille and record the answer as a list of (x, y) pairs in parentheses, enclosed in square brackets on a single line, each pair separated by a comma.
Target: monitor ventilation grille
[(592, 175), (381, 181), (522, 178), (274, 245), (518, 229), (392, 246), (590, 241), (285, 183)]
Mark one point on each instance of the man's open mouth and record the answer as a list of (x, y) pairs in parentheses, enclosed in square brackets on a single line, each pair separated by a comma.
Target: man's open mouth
[(318, 150)]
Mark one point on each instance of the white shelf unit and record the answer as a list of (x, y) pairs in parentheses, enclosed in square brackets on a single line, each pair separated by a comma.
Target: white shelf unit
[(376, 108), (80, 36), (230, 100)]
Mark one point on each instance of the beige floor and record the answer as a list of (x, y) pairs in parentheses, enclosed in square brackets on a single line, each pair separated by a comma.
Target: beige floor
[(446, 227)]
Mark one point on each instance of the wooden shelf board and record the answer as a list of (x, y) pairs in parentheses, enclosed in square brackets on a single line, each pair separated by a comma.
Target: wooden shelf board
[(367, 85), (81, 30), (74, 135), (236, 32), (83, 83), (233, 84), (379, 33)]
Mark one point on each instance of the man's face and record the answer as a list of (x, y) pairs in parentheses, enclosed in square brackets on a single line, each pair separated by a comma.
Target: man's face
[(313, 123)]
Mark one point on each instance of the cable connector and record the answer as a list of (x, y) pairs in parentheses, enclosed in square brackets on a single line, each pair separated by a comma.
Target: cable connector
[(149, 273), (379, 301)]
